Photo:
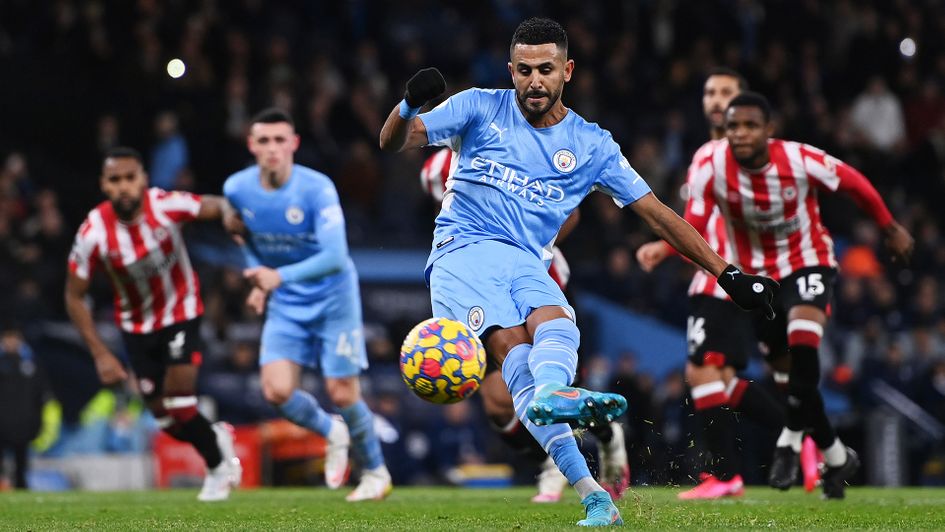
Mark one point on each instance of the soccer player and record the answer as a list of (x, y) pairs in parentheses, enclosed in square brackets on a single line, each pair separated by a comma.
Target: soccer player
[(297, 251), (135, 237), (718, 332), (525, 162), (615, 468), (766, 191)]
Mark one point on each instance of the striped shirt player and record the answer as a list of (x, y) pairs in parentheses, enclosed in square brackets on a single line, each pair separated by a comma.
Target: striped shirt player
[(767, 191), (154, 282), (135, 238), (435, 181)]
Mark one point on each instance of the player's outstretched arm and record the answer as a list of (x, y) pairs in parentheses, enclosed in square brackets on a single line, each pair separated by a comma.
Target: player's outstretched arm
[(747, 291), (212, 208), (678, 233), (853, 183), (107, 365), (402, 130)]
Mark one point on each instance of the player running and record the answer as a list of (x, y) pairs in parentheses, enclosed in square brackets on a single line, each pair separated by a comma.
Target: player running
[(497, 403), (718, 332), (297, 250), (525, 162), (135, 237), (766, 191)]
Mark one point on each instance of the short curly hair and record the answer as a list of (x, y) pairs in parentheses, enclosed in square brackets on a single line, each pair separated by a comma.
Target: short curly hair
[(539, 30), (752, 99)]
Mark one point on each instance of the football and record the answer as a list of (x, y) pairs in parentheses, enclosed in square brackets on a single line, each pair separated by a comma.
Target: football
[(442, 361)]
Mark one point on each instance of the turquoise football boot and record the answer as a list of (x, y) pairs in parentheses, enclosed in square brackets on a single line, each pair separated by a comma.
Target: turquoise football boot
[(600, 510), (584, 407)]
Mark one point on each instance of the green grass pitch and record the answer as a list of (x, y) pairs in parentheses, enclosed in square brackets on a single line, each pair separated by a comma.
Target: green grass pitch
[(464, 509)]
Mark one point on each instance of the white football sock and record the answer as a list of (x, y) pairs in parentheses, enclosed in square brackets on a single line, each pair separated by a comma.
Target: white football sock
[(790, 438), (836, 454), (586, 486)]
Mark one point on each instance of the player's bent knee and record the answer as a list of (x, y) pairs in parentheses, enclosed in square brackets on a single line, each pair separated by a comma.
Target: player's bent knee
[(277, 393), (344, 391), (696, 375)]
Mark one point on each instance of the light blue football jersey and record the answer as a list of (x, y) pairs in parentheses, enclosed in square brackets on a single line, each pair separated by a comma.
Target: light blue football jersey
[(289, 226), (516, 183)]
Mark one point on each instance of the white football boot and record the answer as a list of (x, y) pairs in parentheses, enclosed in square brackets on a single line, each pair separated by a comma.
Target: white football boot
[(551, 483), (336, 453), (374, 486), (228, 474)]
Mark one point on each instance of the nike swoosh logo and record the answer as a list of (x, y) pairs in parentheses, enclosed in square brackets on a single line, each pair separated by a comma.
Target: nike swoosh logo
[(573, 394)]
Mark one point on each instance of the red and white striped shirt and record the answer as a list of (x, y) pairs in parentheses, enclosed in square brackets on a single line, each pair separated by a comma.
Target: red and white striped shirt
[(434, 178), (704, 283), (772, 215), (154, 283)]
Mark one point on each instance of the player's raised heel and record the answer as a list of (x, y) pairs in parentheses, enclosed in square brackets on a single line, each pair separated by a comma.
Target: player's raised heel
[(336, 454), (600, 510), (615, 468), (712, 488), (375, 485), (835, 478), (784, 468), (551, 483), (228, 474), (584, 407)]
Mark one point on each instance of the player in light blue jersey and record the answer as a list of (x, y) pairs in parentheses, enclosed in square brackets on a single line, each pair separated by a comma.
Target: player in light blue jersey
[(294, 239), (525, 162)]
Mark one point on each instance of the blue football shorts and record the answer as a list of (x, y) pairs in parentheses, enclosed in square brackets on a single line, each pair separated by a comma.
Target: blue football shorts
[(326, 334), (492, 284)]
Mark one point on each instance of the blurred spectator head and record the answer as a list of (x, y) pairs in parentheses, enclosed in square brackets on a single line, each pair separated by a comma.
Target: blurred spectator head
[(166, 125)]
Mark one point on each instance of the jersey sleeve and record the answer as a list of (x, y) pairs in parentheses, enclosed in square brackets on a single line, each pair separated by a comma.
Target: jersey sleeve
[(837, 176), (448, 122), (617, 178), (177, 205), (83, 258), (329, 225)]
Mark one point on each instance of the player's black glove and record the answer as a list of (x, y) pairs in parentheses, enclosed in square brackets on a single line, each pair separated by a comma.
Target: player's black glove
[(749, 291), (424, 86)]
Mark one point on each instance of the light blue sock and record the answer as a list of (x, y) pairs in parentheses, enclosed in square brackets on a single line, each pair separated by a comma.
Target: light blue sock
[(303, 410), (367, 448), (553, 358), (557, 440)]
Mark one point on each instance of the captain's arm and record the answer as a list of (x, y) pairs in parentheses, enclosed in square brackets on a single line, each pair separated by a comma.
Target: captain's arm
[(441, 125), (399, 134)]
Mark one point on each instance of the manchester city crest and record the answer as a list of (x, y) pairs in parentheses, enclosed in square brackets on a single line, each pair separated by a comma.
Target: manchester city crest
[(294, 215), (564, 161)]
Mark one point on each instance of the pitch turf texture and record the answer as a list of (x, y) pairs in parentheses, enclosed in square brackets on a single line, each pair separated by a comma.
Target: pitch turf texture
[(464, 509)]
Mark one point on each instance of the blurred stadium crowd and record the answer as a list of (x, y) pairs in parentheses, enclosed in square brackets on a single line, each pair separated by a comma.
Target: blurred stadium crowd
[(864, 80)]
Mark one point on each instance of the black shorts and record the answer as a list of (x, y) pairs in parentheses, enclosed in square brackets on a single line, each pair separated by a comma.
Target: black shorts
[(806, 286), (718, 333), (151, 353)]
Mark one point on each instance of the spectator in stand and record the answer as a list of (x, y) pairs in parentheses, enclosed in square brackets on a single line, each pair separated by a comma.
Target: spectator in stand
[(877, 117), (22, 395), (169, 155)]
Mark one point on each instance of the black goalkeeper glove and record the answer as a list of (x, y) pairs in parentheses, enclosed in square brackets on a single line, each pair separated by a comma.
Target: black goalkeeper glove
[(749, 291), (424, 86)]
